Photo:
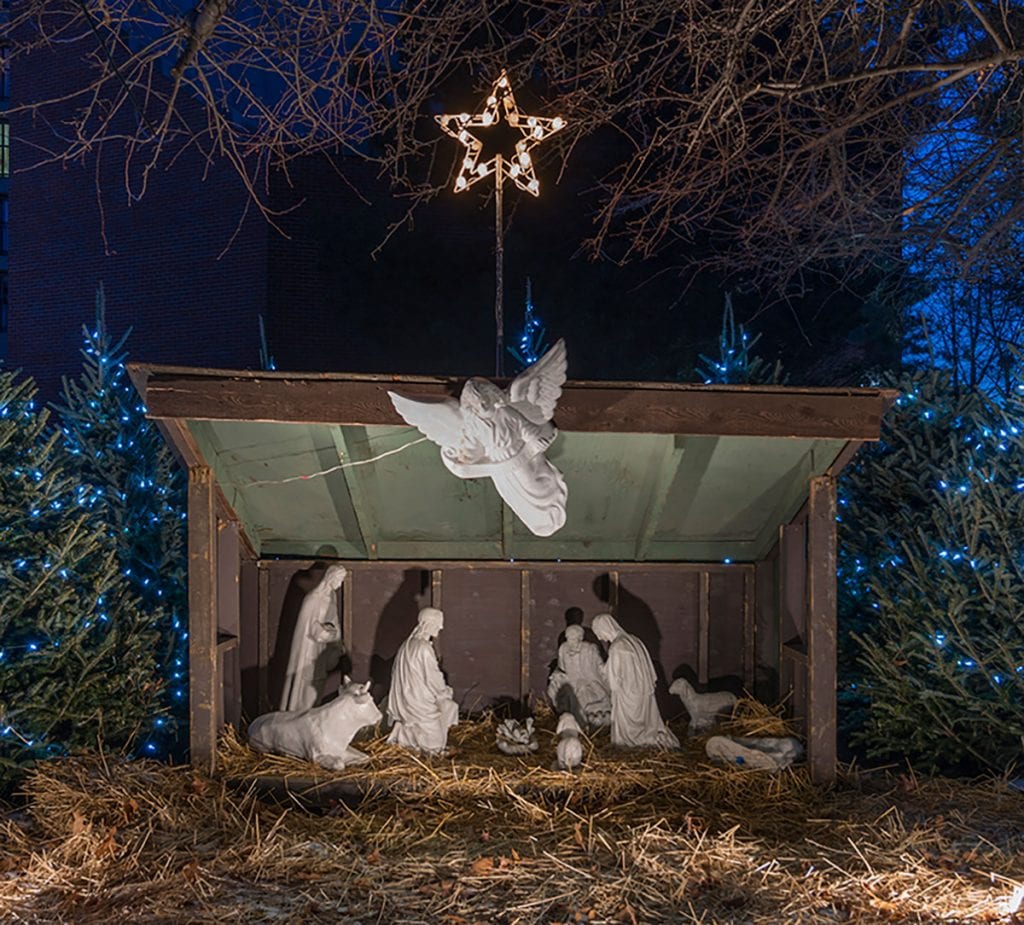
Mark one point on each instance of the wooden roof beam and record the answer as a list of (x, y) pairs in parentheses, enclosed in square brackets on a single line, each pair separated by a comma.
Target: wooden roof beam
[(657, 408)]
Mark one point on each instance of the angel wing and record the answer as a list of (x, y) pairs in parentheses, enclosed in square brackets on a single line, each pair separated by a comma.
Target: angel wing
[(440, 421), (536, 390)]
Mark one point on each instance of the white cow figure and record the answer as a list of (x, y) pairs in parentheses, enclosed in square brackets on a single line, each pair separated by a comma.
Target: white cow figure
[(703, 708), (319, 734)]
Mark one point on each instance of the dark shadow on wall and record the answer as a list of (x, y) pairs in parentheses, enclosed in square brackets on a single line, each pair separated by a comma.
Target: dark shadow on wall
[(396, 621)]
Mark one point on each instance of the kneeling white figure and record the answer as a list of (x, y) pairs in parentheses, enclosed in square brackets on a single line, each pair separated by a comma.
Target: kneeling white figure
[(319, 734), (420, 703)]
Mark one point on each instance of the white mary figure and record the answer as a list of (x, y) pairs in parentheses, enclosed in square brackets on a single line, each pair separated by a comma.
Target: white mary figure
[(636, 721), (420, 704), (502, 435), (316, 643), (578, 684)]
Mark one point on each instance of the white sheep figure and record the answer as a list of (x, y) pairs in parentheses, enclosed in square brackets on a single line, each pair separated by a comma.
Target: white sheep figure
[(703, 708), (569, 748)]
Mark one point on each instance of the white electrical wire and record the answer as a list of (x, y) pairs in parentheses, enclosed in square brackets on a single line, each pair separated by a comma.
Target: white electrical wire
[(344, 465)]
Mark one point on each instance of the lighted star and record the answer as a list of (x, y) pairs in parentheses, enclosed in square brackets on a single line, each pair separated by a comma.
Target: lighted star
[(518, 167)]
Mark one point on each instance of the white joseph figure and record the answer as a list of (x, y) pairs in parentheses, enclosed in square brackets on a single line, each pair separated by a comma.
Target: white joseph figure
[(635, 722), (420, 704), (578, 683), (316, 643), (502, 434)]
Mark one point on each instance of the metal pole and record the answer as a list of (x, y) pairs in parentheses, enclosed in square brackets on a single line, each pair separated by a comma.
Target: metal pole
[(499, 264)]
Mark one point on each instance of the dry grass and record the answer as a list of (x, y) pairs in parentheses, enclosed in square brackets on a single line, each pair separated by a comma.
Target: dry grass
[(478, 837)]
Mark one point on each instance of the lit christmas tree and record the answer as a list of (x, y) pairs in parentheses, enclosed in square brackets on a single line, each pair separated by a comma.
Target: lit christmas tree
[(931, 580), (139, 492), (737, 363), (531, 344), (77, 647)]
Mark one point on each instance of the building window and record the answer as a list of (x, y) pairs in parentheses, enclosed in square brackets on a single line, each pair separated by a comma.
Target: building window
[(5, 149), (3, 225)]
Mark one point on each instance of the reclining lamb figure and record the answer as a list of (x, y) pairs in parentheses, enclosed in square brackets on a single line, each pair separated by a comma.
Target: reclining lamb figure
[(319, 734), (704, 709)]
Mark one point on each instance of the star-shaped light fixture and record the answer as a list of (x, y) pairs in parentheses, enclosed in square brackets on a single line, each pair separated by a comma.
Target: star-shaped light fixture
[(517, 166)]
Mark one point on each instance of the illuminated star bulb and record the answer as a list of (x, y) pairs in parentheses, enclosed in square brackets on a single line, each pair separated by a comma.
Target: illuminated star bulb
[(524, 159), (557, 123), (503, 81), (487, 118), (538, 132), (533, 186), (491, 100), (460, 182), (482, 170), (467, 164), (514, 171)]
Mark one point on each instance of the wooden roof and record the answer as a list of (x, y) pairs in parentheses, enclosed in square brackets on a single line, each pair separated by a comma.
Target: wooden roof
[(656, 471)]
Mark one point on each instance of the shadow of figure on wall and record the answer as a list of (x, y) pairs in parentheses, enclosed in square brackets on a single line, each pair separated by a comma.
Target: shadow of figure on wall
[(394, 624), (301, 583), (635, 616)]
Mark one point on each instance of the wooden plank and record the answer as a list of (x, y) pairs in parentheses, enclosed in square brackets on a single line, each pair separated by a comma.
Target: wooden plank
[(712, 568), (437, 588), (749, 630), (204, 438), (524, 635), (661, 485), (263, 638), (353, 447), (704, 627), (844, 457), (821, 629), (347, 596), (613, 592), (585, 407), (204, 678)]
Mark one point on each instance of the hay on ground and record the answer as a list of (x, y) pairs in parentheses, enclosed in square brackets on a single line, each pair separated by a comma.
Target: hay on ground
[(479, 837)]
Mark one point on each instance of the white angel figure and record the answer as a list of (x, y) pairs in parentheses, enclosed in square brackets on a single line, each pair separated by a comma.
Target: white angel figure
[(502, 435)]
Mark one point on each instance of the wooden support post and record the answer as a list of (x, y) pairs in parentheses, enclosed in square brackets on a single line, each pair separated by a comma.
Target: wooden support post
[(524, 635), (347, 596), (704, 628), (613, 592), (204, 676), (749, 629), (821, 629), (436, 588), (264, 638)]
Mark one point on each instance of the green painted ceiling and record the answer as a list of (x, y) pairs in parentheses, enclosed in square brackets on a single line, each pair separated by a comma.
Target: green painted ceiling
[(631, 496)]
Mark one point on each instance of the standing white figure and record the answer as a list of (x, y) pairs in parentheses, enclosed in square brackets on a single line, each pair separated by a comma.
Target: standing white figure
[(578, 684), (502, 435), (636, 722), (420, 704), (316, 643)]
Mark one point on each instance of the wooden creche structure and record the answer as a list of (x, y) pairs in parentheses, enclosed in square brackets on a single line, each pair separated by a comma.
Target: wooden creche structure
[(703, 517)]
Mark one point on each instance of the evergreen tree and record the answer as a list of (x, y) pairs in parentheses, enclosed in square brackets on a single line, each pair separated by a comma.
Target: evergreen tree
[(932, 580), (737, 362), (531, 344), (77, 664), (139, 492)]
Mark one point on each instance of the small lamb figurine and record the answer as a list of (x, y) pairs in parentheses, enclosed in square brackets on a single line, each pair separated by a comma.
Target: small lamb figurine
[(703, 708), (569, 749)]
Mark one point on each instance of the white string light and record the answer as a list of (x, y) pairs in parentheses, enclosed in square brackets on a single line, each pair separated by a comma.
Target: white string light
[(345, 465), (518, 166)]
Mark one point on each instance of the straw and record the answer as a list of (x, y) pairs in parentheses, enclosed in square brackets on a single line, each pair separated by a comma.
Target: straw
[(479, 837)]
